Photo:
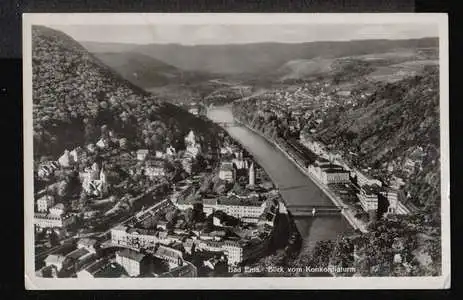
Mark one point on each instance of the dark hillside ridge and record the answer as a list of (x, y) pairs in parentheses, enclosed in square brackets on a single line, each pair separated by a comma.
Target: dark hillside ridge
[(141, 70), (264, 57), (74, 93)]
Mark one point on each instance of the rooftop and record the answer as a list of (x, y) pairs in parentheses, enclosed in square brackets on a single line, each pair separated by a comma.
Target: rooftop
[(87, 242), (335, 170), (55, 258), (78, 253), (167, 251), (131, 254), (96, 266), (59, 206)]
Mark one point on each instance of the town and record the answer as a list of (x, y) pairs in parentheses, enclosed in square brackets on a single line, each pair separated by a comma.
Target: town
[(209, 219), (362, 197)]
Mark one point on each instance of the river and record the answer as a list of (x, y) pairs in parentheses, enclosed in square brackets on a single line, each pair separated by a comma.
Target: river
[(299, 190)]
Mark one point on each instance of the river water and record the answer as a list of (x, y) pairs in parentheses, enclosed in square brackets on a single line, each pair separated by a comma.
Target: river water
[(296, 187)]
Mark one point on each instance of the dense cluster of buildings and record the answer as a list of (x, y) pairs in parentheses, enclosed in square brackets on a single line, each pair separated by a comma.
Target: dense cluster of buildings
[(88, 261), (247, 206), (151, 245)]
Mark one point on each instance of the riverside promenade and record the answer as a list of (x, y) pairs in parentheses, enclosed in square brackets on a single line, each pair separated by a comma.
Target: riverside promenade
[(346, 211)]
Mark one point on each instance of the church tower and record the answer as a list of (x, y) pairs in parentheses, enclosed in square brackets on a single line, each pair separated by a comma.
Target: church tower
[(252, 175)]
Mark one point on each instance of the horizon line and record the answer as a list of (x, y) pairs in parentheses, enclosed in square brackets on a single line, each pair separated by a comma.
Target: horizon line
[(255, 43)]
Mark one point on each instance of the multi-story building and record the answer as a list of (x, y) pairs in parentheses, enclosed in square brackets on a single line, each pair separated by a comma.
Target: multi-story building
[(250, 209), (57, 260), (172, 256), (44, 220), (134, 263), (185, 270), (395, 206), (65, 160), (368, 197), (187, 164), (77, 259), (252, 175), (154, 169), (334, 176), (44, 203), (142, 154), (47, 169), (57, 210), (92, 270), (134, 238), (363, 179), (227, 172), (329, 173)]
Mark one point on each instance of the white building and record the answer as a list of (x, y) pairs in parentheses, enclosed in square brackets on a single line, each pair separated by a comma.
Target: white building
[(134, 263), (155, 169), (94, 182), (363, 179), (56, 260), (170, 151), (44, 203), (88, 243), (65, 160), (368, 197), (47, 169), (133, 238), (395, 206), (252, 175), (57, 210), (102, 143), (43, 220), (227, 172), (142, 154)]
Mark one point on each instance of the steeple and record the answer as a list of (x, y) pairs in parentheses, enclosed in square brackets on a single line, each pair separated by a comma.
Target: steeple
[(252, 175)]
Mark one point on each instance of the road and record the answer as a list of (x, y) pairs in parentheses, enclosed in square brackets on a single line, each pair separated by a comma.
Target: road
[(296, 187)]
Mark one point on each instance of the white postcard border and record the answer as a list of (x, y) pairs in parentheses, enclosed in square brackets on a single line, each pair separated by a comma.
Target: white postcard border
[(32, 282)]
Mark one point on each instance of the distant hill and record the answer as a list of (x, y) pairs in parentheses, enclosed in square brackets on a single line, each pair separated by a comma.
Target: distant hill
[(141, 70), (96, 47), (267, 57), (74, 93), (379, 67)]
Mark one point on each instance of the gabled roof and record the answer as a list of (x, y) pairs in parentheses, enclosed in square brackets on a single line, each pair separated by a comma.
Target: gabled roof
[(77, 254), (131, 254), (87, 242), (55, 259)]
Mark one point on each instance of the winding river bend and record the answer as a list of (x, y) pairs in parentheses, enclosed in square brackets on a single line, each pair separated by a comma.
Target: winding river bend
[(296, 187)]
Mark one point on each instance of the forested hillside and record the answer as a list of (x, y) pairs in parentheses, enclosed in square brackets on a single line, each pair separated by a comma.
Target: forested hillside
[(386, 128), (74, 94), (141, 70)]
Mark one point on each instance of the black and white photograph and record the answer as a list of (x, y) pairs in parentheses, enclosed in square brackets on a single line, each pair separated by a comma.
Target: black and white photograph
[(225, 151)]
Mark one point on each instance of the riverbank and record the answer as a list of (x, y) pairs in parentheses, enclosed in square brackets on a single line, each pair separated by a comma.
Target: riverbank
[(346, 210)]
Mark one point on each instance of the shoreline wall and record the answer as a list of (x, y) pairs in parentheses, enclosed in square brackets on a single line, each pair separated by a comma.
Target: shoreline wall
[(344, 208)]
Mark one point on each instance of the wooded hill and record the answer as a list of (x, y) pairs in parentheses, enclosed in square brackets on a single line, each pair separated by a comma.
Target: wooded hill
[(74, 94)]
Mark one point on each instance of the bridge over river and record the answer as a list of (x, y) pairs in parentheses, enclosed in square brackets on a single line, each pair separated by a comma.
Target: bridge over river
[(299, 193)]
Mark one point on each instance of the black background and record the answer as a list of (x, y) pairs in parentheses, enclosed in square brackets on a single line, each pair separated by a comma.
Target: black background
[(11, 175)]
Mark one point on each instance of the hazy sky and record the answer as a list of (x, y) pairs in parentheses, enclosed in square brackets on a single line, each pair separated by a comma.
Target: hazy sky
[(235, 34)]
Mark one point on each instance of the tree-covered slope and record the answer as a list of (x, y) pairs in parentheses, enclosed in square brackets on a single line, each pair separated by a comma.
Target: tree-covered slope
[(74, 93), (386, 128)]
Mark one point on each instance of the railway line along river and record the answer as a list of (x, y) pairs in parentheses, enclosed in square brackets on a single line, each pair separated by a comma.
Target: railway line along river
[(295, 187)]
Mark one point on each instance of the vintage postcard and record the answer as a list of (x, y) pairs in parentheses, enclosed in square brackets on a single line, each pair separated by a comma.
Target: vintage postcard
[(236, 151)]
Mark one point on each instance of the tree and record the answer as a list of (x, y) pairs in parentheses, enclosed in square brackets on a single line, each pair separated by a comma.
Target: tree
[(53, 238), (171, 215)]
